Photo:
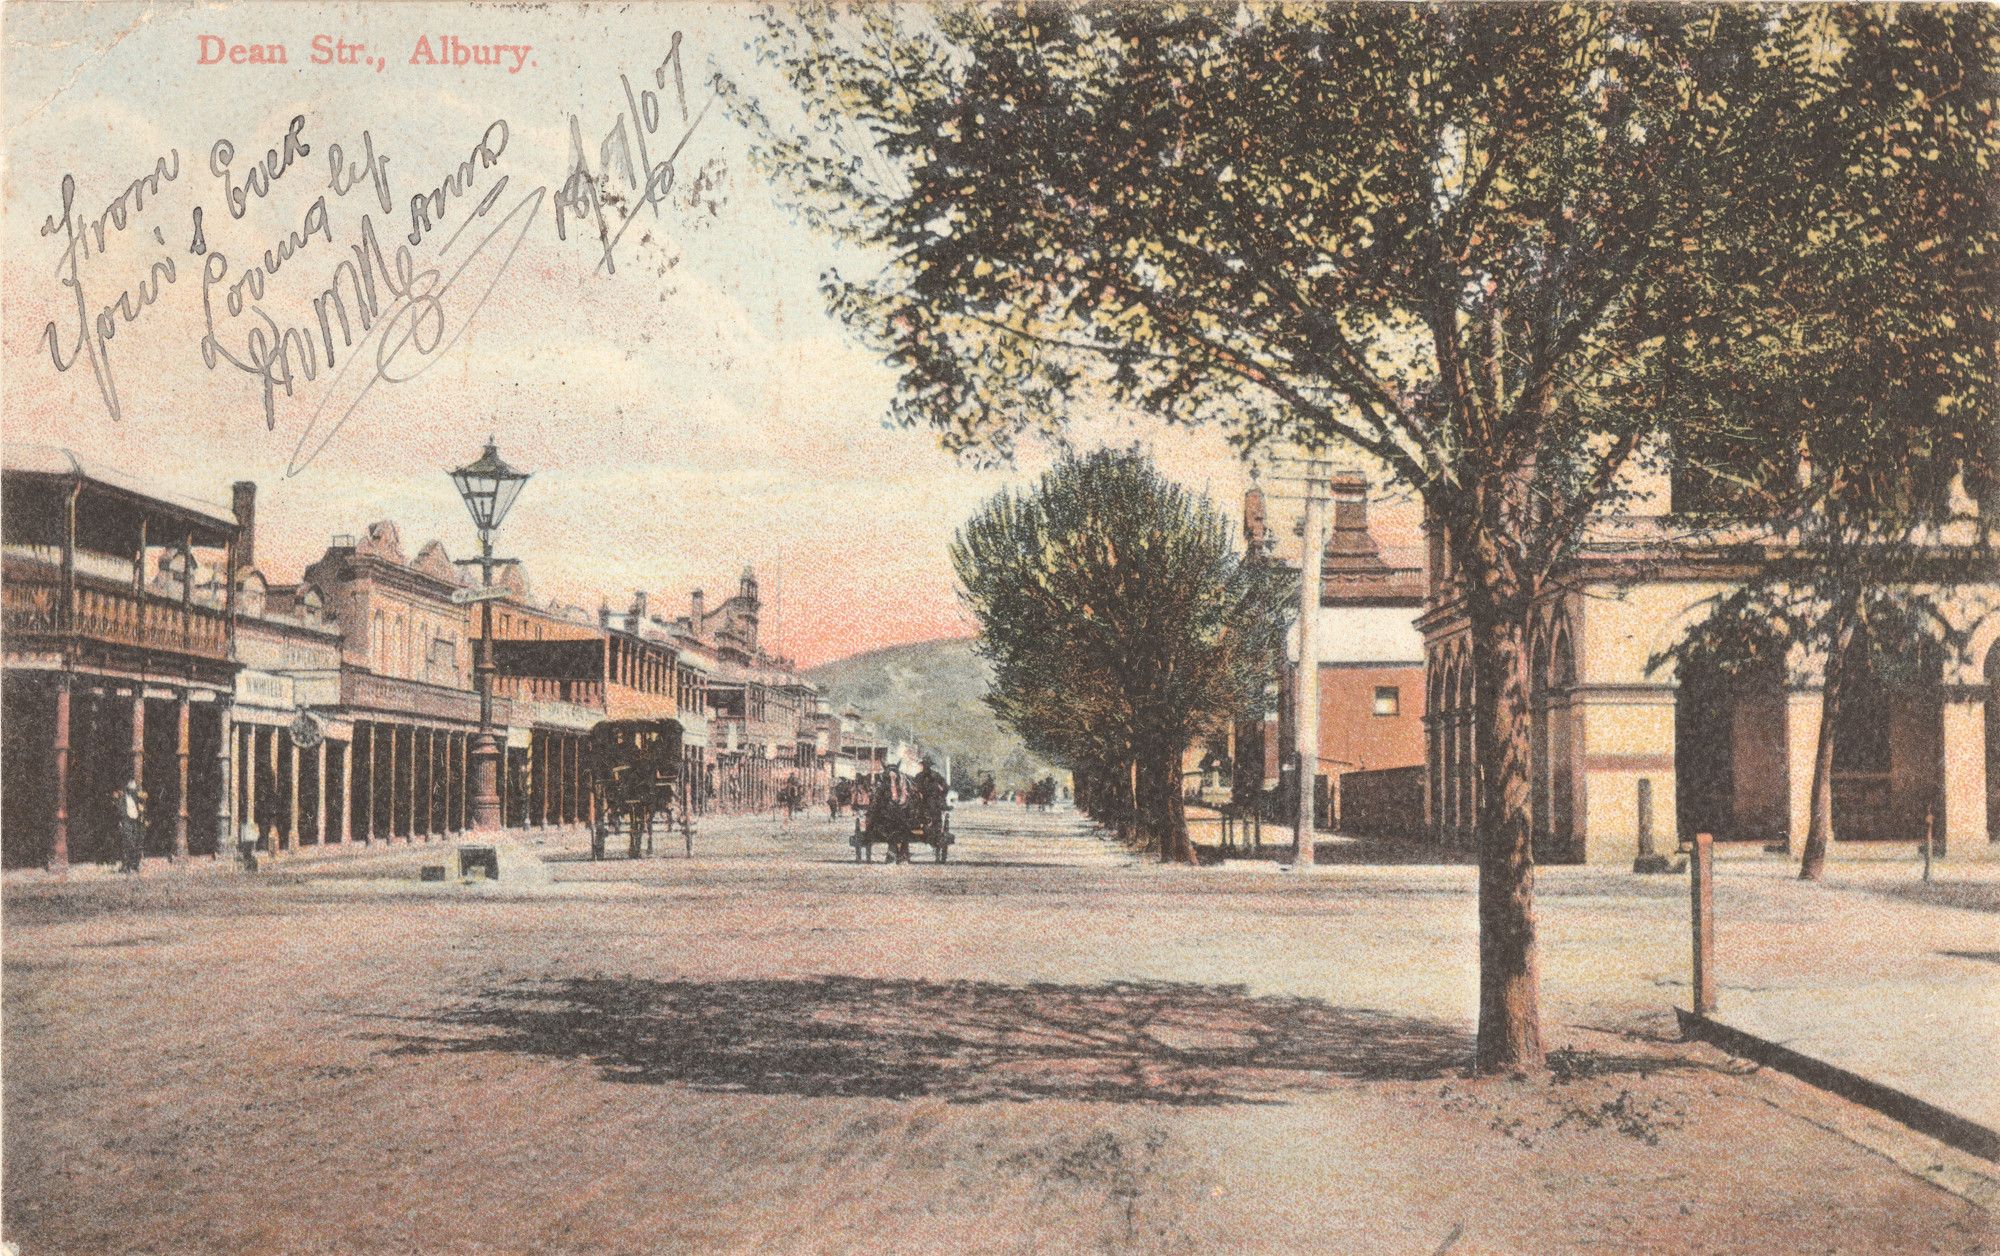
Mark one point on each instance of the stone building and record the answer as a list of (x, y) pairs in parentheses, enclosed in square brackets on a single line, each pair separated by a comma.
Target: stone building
[(1625, 752), (761, 714)]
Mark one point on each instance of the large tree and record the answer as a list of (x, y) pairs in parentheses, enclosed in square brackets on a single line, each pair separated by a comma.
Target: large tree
[(1121, 620), (1471, 241)]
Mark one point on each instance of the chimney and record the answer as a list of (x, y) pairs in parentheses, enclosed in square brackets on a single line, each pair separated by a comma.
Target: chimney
[(243, 500), (1351, 547), (1350, 501), (695, 609), (638, 609), (1253, 520)]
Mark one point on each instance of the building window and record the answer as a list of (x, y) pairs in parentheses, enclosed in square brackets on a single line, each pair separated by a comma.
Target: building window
[(1388, 700)]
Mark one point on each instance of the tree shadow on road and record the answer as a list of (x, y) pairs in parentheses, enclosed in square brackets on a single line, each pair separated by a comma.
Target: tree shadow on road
[(1174, 1043)]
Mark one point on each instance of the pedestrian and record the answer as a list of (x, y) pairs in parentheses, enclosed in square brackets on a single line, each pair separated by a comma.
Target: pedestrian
[(265, 814), (131, 825)]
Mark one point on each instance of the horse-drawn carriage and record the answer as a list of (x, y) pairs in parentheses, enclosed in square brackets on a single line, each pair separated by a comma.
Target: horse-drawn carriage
[(637, 785), (899, 814)]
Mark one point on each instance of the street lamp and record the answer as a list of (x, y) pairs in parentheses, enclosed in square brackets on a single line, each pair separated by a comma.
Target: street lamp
[(489, 487)]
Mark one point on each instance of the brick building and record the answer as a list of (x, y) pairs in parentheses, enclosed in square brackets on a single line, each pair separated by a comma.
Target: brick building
[(1370, 663)]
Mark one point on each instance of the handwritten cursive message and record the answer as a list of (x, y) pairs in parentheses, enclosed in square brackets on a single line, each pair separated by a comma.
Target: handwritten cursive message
[(380, 270)]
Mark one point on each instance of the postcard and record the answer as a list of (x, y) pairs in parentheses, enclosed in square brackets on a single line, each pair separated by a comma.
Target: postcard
[(1140, 627)]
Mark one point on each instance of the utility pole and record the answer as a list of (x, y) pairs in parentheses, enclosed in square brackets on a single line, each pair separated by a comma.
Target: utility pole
[(1315, 473)]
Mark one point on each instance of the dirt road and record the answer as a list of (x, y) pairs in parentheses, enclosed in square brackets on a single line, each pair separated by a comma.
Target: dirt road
[(1043, 1045)]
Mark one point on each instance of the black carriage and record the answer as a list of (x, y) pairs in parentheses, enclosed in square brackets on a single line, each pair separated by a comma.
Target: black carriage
[(899, 815), (637, 785)]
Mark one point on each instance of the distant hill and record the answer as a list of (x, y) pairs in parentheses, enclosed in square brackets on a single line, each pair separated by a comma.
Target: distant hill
[(931, 691)]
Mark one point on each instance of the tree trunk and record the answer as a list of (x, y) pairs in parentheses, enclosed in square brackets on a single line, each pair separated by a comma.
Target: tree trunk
[(1510, 1036), (1161, 822), (1138, 832), (1165, 815), (1819, 829)]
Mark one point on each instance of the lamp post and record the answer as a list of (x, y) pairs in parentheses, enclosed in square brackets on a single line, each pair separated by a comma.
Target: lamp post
[(489, 487)]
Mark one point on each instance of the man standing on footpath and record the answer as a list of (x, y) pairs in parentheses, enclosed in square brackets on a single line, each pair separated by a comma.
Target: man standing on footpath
[(131, 825)]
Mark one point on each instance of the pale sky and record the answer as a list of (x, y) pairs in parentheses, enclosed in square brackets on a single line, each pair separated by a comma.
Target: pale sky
[(694, 412)]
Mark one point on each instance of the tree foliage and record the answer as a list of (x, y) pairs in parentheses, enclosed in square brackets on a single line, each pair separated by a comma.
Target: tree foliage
[(1505, 250), (1120, 620), (1853, 433)]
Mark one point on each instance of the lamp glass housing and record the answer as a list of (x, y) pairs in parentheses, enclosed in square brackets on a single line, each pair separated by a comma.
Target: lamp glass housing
[(489, 486)]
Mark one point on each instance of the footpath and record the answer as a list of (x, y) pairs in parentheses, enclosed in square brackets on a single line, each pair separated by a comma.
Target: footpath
[(1872, 985)]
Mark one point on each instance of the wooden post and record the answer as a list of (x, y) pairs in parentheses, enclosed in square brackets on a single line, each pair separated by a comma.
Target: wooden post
[(1930, 835), (1644, 802), (1701, 884)]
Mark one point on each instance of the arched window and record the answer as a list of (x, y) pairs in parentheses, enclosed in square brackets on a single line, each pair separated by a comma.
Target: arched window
[(1538, 744), (1562, 732)]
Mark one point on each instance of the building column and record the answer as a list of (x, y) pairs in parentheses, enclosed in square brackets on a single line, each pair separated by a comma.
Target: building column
[(58, 860), (1962, 775), (420, 783), (538, 779), (433, 791), (373, 779), (346, 833), (451, 825), (138, 768), (180, 851), (250, 774), (413, 743), (292, 761), (552, 780), (410, 782), (434, 788), (319, 799), (397, 739), (373, 828), (385, 735), (575, 779), (225, 810), (562, 780)]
